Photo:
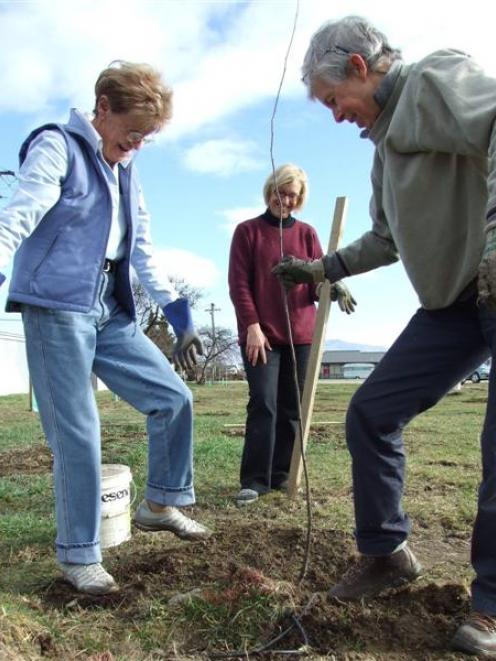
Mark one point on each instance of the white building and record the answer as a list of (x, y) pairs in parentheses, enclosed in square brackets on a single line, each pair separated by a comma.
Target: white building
[(14, 375), (334, 360)]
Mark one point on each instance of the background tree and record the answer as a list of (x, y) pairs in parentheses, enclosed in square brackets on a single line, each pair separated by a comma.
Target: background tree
[(220, 344), (150, 316), (221, 353)]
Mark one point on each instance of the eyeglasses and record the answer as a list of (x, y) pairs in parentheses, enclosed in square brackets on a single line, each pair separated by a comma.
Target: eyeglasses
[(292, 197), (339, 50), (135, 138)]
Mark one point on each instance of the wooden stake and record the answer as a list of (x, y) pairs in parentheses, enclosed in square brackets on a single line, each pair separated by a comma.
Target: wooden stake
[(315, 359)]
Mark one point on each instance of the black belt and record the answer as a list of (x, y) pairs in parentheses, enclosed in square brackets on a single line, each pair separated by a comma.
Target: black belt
[(109, 266)]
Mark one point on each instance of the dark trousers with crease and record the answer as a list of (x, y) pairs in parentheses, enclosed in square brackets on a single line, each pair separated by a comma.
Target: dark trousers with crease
[(272, 417), (434, 352)]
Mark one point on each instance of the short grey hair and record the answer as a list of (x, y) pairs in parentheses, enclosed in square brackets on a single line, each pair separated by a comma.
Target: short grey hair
[(330, 48), (286, 174)]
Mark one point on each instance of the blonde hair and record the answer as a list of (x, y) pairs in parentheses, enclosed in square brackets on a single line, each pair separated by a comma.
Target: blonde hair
[(286, 174), (136, 88)]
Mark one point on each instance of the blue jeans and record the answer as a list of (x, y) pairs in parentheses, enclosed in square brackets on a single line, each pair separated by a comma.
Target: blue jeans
[(434, 352), (63, 349)]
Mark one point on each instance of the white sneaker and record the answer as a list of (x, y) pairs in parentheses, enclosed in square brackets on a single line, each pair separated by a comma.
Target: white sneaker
[(170, 519), (92, 579)]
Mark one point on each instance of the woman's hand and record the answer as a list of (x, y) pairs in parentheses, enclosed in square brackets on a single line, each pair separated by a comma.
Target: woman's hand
[(256, 344)]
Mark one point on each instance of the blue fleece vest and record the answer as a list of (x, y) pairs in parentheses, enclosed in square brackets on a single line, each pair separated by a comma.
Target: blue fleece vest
[(60, 264)]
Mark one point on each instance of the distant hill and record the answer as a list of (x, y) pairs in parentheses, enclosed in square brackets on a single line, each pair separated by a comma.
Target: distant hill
[(341, 345)]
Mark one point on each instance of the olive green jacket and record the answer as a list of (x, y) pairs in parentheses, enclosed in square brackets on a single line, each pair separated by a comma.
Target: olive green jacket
[(433, 177)]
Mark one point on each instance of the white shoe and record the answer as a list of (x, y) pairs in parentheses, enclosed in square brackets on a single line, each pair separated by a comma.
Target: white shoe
[(92, 579), (170, 519)]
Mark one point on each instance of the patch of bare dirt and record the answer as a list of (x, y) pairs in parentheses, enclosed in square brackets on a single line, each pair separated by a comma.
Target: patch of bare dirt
[(234, 432), (32, 460), (415, 623), (333, 434), (319, 433), (38, 458), (214, 414)]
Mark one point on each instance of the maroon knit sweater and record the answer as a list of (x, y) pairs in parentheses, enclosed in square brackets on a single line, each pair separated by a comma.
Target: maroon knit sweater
[(256, 293)]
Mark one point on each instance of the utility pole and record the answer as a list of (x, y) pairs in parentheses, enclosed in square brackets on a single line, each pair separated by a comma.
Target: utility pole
[(212, 310)]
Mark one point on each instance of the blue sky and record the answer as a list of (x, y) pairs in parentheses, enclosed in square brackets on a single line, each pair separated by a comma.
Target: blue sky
[(224, 61)]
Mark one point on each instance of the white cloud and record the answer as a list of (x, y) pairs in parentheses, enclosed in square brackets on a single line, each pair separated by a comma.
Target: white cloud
[(195, 270), (236, 215), (53, 50), (224, 157), (219, 56)]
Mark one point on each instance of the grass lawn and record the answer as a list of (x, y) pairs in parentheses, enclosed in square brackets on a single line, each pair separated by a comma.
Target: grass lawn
[(198, 601)]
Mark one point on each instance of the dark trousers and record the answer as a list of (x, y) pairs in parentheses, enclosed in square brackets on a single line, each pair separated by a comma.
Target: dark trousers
[(434, 352), (272, 417)]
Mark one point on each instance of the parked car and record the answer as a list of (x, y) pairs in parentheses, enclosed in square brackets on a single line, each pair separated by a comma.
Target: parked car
[(481, 373), (357, 370)]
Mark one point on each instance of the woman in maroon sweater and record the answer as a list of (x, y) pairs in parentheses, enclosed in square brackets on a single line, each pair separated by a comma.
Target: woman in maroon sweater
[(258, 245)]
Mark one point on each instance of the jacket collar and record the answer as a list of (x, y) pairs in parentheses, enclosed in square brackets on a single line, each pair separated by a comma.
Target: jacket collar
[(80, 124), (389, 95), (269, 217)]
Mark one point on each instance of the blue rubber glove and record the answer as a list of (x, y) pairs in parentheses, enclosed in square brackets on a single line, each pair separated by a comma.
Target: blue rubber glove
[(2, 279), (188, 344)]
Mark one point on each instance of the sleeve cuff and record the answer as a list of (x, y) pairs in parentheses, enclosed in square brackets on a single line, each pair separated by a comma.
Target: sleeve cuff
[(334, 267)]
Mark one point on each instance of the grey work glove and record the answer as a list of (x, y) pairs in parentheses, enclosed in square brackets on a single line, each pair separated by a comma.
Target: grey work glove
[(487, 270), (292, 271), (341, 294)]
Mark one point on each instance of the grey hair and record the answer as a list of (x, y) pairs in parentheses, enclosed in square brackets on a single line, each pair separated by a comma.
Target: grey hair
[(330, 48)]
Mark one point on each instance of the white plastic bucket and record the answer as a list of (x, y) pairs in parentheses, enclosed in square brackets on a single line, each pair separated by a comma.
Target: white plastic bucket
[(115, 524)]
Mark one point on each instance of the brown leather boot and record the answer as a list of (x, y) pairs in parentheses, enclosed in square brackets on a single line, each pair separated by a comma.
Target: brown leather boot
[(477, 635), (371, 575)]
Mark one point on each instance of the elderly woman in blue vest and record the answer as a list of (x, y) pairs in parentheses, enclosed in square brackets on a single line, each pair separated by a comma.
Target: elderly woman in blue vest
[(77, 224)]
